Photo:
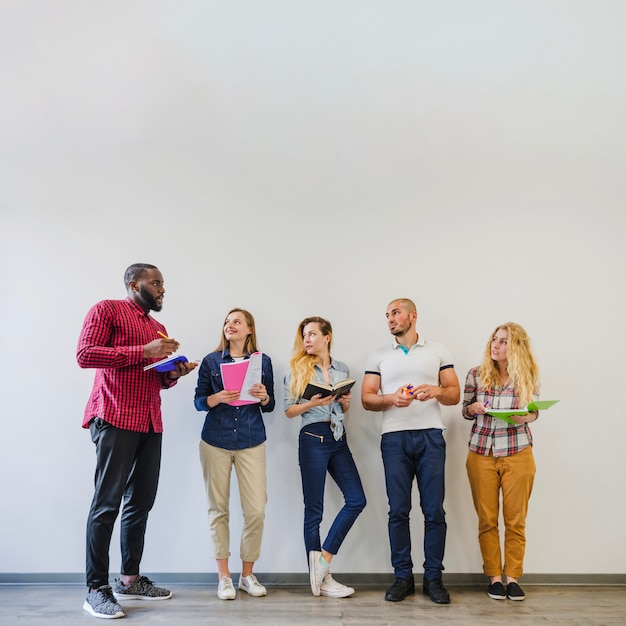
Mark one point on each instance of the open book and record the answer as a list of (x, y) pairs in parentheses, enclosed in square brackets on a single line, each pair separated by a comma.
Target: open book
[(505, 414), (315, 387), (241, 375), (168, 364)]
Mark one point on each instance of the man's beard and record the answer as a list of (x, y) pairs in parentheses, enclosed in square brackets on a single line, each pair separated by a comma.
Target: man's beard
[(149, 299), (399, 331)]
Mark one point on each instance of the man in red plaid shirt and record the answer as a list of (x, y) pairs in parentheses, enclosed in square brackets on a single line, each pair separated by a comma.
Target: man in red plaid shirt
[(119, 338)]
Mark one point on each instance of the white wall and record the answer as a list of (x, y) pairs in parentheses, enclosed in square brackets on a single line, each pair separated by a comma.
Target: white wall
[(300, 158)]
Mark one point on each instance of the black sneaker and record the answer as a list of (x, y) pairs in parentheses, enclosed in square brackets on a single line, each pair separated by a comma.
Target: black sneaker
[(514, 592), (496, 591), (401, 588), (435, 590)]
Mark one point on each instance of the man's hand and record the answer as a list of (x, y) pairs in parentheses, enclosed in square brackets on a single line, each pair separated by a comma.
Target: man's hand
[(182, 369), (401, 398), (160, 348), (425, 392)]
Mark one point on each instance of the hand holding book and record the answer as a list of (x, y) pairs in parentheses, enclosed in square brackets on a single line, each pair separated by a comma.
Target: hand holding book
[(506, 414), (241, 376), (167, 364), (338, 389)]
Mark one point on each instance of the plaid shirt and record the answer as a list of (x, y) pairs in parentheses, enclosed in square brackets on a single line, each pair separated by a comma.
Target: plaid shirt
[(490, 433), (112, 340)]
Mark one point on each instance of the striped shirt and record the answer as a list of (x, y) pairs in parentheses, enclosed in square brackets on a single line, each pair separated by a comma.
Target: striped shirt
[(111, 341), (490, 434)]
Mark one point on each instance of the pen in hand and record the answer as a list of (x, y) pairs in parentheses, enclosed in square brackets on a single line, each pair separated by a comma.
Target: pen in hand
[(485, 405), (169, 339)]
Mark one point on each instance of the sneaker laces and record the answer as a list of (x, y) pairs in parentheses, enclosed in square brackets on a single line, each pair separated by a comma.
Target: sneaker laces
[(226, 583), (329, 581), (107, 592), (103, 597), (144, 582)]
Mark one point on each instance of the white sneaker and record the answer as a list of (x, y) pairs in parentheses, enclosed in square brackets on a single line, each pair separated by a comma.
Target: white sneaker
[(252, 586), (317, 572), (225, 589), (332, 589)]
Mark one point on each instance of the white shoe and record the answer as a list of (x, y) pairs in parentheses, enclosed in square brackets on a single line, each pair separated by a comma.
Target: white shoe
[(225, 589), (332, 589), (252, 586), (317, 572)]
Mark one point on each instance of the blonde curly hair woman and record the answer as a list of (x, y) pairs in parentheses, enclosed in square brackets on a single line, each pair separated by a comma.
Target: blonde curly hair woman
[(500, 457)]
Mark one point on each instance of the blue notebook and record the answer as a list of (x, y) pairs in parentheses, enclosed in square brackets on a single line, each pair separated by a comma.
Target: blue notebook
[(167, 364)]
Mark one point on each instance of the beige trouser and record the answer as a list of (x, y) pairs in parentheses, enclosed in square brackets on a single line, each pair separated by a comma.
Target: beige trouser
[(250, 469), (514, 476)]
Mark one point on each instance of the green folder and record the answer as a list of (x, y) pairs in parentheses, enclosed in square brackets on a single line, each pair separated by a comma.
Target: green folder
[(505, 414)]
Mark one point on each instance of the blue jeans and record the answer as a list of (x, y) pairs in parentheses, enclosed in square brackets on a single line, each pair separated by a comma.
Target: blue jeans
[(421, 454), (319, 453)]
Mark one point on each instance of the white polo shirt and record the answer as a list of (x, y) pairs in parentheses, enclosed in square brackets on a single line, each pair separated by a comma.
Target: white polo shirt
[(421, 365)]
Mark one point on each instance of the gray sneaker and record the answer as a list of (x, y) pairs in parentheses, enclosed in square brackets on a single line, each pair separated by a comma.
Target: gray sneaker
[(140, 589), (101, 603)]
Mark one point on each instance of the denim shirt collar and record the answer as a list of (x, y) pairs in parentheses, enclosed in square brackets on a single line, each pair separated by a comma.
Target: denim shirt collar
[(226, 355), (332, 367)]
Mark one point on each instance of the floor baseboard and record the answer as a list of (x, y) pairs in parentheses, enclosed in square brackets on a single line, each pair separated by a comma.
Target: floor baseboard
[(297, 579)]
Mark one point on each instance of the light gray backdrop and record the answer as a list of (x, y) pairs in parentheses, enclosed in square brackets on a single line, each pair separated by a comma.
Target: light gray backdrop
[(314, 158)]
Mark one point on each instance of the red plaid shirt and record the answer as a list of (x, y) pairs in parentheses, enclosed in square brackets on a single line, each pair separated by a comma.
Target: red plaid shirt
[(112, 340)]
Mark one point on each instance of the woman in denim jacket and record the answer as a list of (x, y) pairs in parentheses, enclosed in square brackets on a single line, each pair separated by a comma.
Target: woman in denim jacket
[(322, 448), (234, 435)]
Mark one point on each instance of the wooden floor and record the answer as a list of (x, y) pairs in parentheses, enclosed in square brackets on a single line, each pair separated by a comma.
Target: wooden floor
[(198, 605)]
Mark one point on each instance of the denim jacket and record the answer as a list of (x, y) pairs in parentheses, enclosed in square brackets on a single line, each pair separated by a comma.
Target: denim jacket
[(338, 371), (225, 426)]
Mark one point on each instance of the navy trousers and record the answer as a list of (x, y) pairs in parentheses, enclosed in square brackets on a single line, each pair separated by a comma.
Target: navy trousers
[(407, 455), (320, 454)]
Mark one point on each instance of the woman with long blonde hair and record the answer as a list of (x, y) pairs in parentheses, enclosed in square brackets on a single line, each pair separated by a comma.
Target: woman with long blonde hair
[(500, 457), (322, 449)]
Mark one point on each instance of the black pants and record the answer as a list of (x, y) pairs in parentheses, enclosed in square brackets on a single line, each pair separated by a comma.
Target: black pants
[(127, 465)]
